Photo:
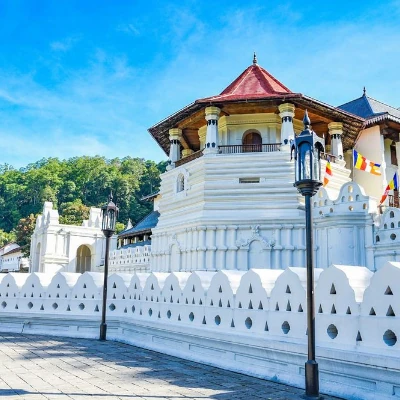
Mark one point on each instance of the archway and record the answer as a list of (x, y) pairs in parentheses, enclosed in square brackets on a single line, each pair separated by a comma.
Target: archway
[(83, 259), (252, 142)]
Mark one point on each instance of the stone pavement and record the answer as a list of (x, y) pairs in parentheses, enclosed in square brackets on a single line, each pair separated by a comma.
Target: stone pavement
[(44, 367)]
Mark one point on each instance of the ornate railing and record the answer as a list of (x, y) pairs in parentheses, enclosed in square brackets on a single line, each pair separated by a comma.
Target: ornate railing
[(187, 159), (249, 148), (244, 148), (324, 156)]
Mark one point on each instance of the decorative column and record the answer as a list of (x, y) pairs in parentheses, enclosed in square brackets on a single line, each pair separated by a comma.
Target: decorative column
[(202, 132), (195, 236), (212, 116), (221, 248), (211, 248), (201, 250), (189, 244), (287, 253), (231, 259), (336, 132), (186, 152), (286, 112), (175, 135)]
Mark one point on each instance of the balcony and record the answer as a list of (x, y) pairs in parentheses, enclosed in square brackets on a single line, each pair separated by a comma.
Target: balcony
[(324, 156), (249, 148), (244, 148)]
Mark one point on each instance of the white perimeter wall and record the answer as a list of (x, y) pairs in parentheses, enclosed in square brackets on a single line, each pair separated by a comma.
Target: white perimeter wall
[(252, 322)]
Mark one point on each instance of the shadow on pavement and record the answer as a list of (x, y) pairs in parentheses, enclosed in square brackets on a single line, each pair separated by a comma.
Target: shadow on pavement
[(140, 365)]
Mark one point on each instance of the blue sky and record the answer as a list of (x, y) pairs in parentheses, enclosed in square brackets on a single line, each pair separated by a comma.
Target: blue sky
[(89, 77)]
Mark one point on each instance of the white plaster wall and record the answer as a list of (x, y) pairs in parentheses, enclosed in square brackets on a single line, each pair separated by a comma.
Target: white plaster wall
[(214, 223), (345, 223), (130, 259), (59, 243), (232, 128), (370, 144), (13, 261), (361, 361)]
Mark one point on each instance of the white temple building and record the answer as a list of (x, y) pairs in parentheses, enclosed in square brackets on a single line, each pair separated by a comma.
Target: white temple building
[(227, 200), (216, 273)]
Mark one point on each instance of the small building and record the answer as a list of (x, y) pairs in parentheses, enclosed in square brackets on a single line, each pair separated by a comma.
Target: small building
[(68, 248), (12, 259)]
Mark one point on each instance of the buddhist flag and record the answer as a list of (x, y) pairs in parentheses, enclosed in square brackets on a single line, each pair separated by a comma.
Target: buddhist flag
[(328, 171), (366, 165), (393, 185)]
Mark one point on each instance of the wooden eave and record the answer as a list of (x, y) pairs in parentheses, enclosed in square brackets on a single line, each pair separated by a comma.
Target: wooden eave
[(134, 234), (389, 128), (321, 114), (160, 131)]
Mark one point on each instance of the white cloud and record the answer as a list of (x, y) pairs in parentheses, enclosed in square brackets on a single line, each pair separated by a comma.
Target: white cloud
[(129, 28), (65, 44), (96, 110)]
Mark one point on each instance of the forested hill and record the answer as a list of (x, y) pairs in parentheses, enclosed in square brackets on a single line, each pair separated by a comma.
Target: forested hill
[(73, 186)]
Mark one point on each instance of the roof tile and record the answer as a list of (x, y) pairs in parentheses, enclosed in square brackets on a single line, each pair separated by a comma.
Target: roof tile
[(254, 82)]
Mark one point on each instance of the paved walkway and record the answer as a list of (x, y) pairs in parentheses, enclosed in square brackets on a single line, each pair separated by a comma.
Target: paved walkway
[(39, 367)]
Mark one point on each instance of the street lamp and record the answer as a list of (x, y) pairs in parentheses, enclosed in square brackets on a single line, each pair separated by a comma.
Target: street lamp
[(308, 147), (109, 218)]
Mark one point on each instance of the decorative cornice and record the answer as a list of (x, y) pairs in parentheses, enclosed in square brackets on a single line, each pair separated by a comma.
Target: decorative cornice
[(266, 244)]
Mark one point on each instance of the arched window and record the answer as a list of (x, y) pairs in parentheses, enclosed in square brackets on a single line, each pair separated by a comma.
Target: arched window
[(180, 183), (252, 142)]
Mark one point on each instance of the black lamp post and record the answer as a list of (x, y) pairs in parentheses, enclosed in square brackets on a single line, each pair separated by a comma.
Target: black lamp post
[(308, 147), (109, 218)]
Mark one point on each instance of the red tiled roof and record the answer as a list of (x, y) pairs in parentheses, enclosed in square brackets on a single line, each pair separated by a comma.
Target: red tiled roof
[(254, 83)]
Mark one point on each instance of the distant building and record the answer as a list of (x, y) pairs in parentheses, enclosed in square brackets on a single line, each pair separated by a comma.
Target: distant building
[(12, 259), (134, 243), (68, 248)]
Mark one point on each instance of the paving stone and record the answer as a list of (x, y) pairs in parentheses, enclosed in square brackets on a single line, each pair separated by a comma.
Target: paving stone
[(40, 367)]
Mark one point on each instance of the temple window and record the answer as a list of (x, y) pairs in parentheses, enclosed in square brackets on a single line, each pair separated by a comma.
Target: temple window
[(180, 183)]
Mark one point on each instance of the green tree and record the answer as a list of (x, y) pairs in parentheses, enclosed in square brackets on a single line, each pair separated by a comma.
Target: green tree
[(73, 212), (23, 233), (119, 227), (73, 186), (7, 237)]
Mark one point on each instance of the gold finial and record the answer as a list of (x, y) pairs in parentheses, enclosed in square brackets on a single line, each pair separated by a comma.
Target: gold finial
[(255, 59)]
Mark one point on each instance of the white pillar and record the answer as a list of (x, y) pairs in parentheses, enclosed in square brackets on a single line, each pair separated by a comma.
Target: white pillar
[(212, 116), (287, 253), (221, 247), (286, 112), (175, 135), (231, 253), (336, 132), (189, 244), (211, 248), (195, 237), (201, 250)]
